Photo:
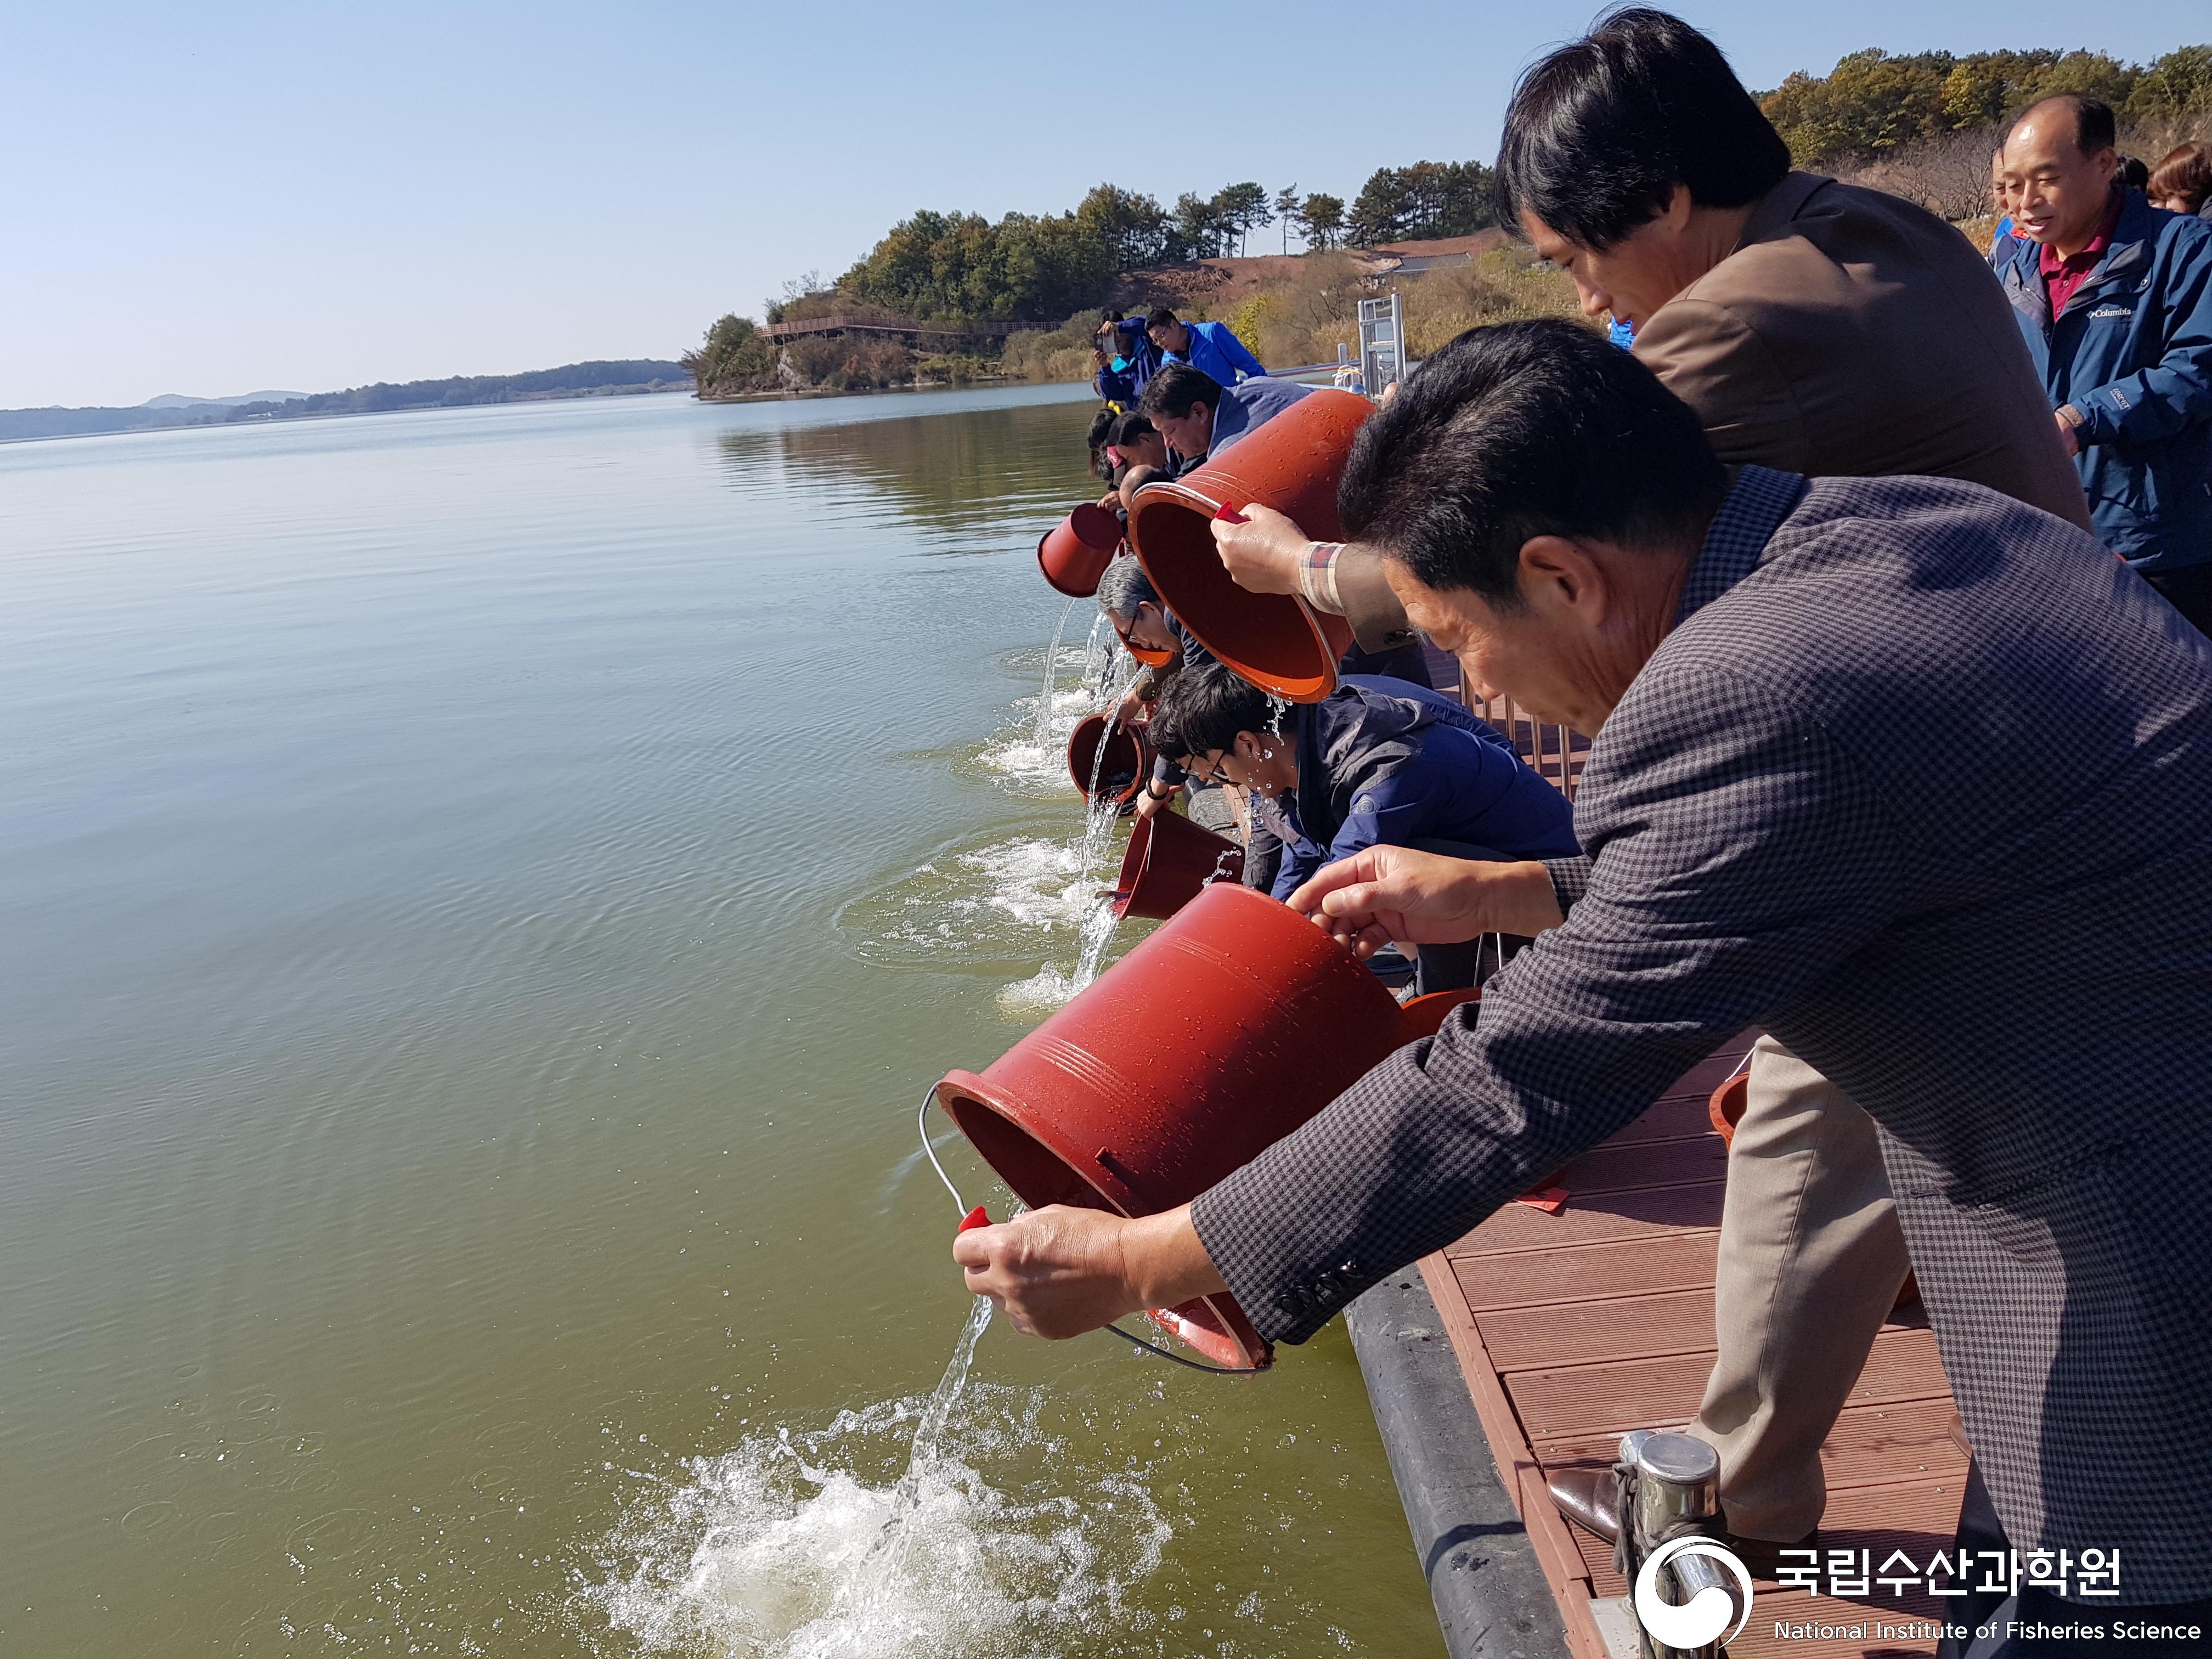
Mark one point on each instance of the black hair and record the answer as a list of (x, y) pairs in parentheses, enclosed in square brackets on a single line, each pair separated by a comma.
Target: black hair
[(1108, 315), (1103, 425), (1202, 708), (1175, 388), (2134, 173), (1599, 132), (1132, 427), (1525, 430), (1160, 316), (2094, 126)]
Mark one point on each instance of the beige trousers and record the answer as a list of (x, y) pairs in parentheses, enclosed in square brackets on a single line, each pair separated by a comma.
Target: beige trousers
[(1811, 1262)]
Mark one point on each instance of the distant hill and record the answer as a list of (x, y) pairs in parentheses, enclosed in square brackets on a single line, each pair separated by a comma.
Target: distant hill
[(594, 379), (178, 400)]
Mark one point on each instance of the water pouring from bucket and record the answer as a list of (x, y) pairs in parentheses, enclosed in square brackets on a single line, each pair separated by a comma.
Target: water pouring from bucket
[(1230, 1026), (1109, 760)]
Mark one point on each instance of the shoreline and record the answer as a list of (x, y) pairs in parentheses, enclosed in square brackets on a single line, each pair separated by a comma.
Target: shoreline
[(155, 429)]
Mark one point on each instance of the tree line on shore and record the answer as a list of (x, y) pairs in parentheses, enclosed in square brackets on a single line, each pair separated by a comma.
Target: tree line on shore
[(597, 379), (1919, 123), (956, 267)]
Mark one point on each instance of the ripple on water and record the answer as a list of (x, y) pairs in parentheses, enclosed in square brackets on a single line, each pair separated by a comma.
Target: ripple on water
[(765, 1552)]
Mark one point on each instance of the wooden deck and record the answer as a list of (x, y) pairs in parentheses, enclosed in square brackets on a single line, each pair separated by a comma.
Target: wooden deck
[(1573, 1328)]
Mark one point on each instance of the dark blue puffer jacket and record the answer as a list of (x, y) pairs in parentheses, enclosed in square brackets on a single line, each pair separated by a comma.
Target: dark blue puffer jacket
[(1384, 763), (1136, 361)]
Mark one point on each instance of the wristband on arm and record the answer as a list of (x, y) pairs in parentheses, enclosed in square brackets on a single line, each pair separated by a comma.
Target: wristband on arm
[(1317, 577)]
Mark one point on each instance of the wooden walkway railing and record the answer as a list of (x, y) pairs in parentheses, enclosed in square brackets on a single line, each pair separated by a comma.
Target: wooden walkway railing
[(1556, 753), (903, 327)]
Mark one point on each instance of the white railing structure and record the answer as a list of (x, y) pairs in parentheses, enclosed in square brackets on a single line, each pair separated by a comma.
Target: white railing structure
[(1382, 356)]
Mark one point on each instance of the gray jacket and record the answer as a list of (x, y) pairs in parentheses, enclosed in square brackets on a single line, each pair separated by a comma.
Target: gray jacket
[(1921, 782)]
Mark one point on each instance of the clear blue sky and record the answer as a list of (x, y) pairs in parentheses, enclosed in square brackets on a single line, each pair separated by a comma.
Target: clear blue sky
[(215, 198)]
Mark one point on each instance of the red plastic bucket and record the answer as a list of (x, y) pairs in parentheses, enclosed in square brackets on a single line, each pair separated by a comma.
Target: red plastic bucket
[(1128, 764), (1236, 1021), (1074, 553), (1724, 1107), (1292, 463), (1169, 861), (1425, 1016)]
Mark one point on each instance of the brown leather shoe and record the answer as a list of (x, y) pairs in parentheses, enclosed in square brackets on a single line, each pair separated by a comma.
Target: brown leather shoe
[(1589, 1498)]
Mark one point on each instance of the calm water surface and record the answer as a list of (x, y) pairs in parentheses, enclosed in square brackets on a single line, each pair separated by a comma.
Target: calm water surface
[(484, 893)]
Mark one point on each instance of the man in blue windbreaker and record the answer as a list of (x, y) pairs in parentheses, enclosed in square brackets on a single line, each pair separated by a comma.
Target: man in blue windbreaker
[(1379, 762), (1210, 346), (2115, 299)]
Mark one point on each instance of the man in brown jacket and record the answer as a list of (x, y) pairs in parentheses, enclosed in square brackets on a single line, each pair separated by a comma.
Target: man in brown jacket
[(1816, 328)]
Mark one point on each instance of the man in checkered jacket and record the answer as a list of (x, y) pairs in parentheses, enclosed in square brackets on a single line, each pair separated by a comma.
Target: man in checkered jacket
[(1917, 777)]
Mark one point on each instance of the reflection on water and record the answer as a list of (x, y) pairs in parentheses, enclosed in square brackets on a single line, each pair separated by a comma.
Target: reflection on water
[(457, 1101), (950, 478)]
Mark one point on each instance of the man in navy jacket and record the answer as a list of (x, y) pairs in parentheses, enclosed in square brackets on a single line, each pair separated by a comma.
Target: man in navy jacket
[(1127, 360), (1378, 761), (1201, 417), (2114, 297), (1212, 347)]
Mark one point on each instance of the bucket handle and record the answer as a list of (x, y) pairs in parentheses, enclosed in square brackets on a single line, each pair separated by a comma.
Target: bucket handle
[(975, 1217)]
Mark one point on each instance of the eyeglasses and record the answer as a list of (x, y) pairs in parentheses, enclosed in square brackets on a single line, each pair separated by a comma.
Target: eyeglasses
[(1207, 771), (1143, 653)]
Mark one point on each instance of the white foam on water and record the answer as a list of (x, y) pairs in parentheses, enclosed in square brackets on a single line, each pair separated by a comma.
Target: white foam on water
[(1010, 900), (1048, 989), (776, 1550), (1037, 882), (1033, 758)]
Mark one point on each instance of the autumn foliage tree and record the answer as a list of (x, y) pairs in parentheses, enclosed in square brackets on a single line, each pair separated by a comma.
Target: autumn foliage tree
[(1872, 105), (736, 357)]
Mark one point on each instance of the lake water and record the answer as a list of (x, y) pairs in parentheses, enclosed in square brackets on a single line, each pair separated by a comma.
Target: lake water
[(483, 894)]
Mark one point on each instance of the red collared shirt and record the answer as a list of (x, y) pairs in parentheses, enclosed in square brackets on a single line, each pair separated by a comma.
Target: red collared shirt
[(2062, 276)]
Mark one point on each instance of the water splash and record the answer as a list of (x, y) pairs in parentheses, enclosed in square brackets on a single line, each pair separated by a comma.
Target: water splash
[(1051, 663), (1004, 902), (781, 1549), (1051, 986), (892, 1548), (1100, 651), (1098, 931)]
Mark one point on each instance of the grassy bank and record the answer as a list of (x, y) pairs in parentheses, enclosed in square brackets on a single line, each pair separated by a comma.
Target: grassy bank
[(1304, 308)]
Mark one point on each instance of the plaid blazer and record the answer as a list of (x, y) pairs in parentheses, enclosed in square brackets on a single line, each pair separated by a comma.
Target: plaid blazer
[(1922, 781)]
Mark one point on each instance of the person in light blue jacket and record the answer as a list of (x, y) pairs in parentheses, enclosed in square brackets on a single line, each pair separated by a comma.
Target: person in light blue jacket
[(1212, 347), (1377, 762), (2114, 298)]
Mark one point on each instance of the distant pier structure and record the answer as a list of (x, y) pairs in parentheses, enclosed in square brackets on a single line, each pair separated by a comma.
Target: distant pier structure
[(882, 326)]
